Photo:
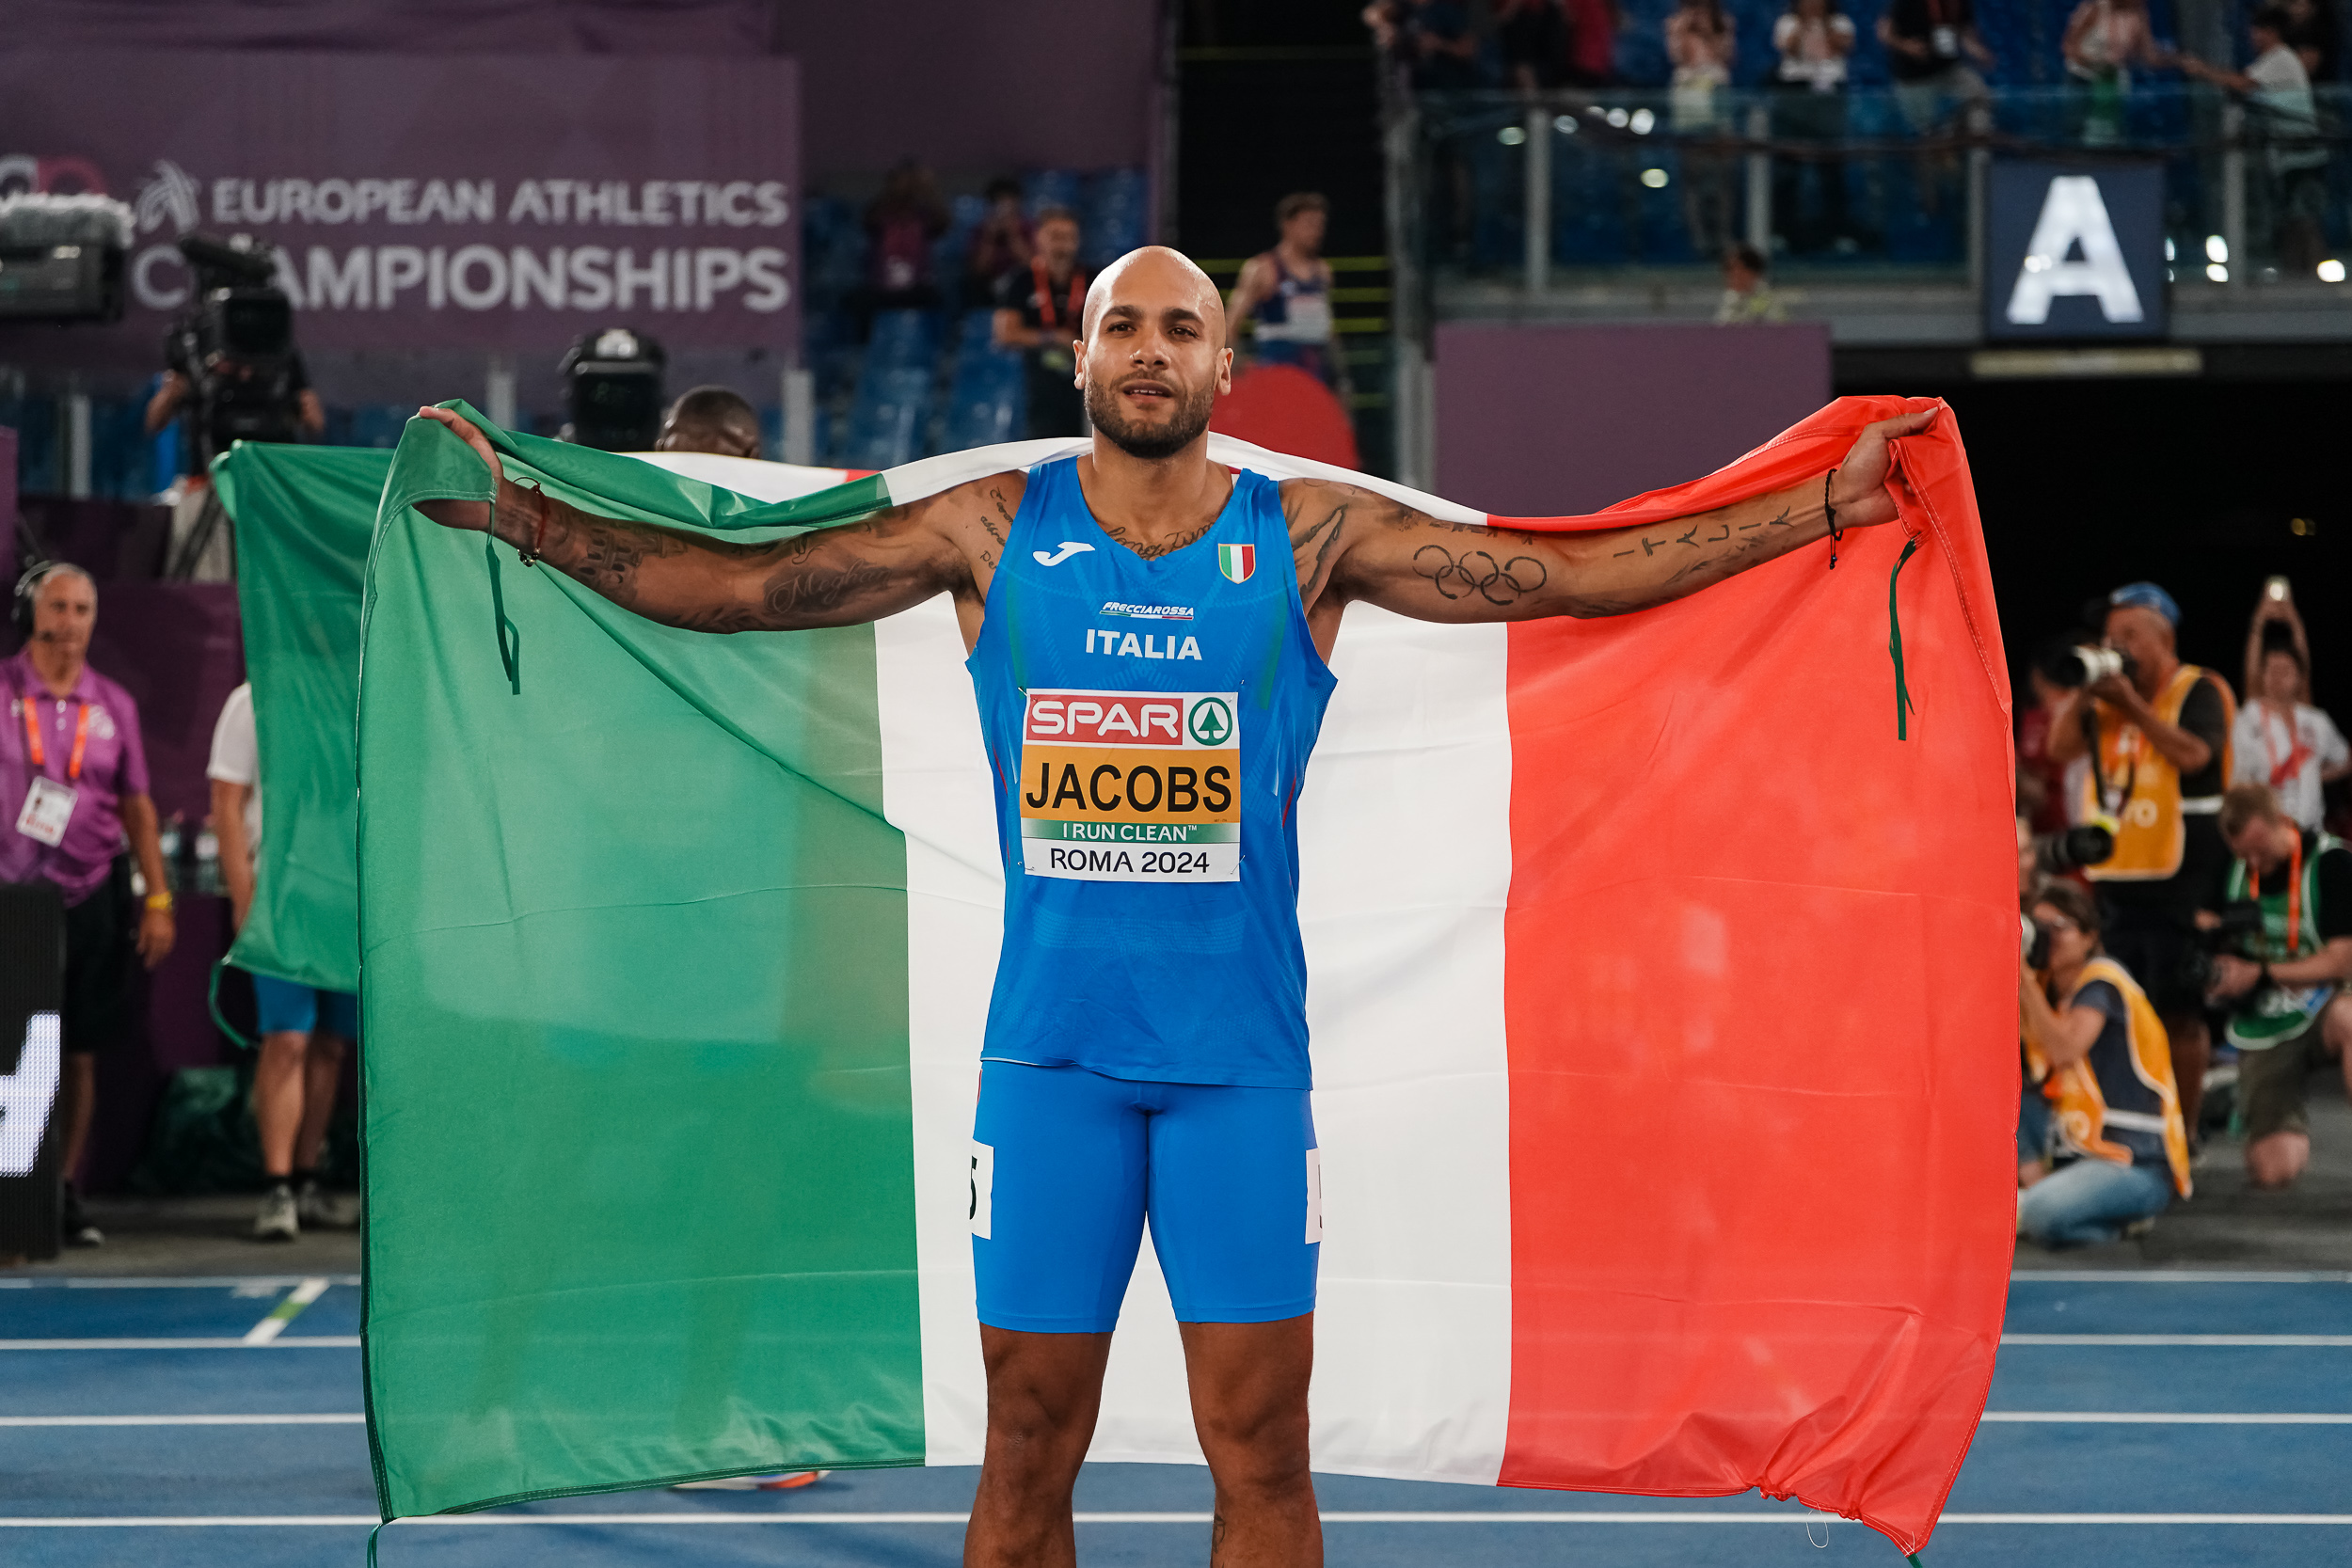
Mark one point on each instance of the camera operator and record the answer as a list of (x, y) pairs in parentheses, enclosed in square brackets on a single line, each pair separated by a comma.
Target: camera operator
[(2290, 1014), (232, 373), (2156, 733), (2106, 1071)]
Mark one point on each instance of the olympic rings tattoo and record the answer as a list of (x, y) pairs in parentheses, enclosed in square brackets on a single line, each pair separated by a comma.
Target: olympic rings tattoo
[(1477, 572)]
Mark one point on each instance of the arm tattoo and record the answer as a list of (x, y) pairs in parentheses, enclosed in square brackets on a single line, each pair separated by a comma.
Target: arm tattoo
[(1477, 572)]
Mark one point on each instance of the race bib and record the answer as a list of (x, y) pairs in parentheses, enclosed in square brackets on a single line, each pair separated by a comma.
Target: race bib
[(48, 807), (1132, 786)]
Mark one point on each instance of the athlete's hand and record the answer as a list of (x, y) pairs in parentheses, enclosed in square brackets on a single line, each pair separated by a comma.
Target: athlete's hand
[(466, 514), (1860, 493)]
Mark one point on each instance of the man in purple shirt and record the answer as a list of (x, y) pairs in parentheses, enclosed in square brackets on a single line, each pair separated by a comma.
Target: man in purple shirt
[(73, 777)]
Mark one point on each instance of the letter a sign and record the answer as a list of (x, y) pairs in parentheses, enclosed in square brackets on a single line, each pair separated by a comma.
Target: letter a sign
[(2074, 252)]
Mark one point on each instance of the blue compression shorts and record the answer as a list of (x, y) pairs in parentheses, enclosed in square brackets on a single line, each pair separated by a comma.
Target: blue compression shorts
[(1066, 1164), (283, 1007)]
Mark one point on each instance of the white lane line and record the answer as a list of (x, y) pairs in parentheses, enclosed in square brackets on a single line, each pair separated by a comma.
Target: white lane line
[(1596, 1516), (291, 1341), (285, 1312), (163, 1282), (337, 1419), (2253, 1341), (2170, 1418)]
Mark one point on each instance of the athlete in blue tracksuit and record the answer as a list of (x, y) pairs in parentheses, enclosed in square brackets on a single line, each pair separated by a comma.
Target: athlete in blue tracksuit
[(1147, 633)]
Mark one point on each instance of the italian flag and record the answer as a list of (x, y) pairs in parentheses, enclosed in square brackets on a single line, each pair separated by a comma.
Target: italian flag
[(1663, 997)]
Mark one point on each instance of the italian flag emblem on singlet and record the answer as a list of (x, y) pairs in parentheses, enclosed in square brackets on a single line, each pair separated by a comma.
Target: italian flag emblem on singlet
[(1238, 560)]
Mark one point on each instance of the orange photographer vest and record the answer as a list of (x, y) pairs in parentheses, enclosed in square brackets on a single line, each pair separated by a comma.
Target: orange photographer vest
[(2082, 1106), (2146, 810)]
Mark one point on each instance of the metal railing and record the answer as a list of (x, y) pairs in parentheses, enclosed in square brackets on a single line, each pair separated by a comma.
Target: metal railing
[(1498, 186)]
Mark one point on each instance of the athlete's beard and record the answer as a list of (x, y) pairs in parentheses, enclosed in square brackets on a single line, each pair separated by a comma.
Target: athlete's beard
[(1140, 440)]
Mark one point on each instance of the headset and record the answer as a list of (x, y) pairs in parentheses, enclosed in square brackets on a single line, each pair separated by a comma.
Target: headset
[(28, 589)]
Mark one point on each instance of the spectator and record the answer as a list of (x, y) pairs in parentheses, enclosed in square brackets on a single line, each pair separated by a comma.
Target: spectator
[(1040, 309), (2291, 1015), (2033, 1112), (2312, 34), (709, 419), (1813, 38), (1929, 45), (900, 224), (1700, 42), (2103, 40), (1533, 37), (1001, 241), (1748, 296), (1285, 294), (2121, 1144), (305, 1029), (1593, 29), (2285, 743), (2278, 88), (1434, 39), (2157, 738), (73, 758)]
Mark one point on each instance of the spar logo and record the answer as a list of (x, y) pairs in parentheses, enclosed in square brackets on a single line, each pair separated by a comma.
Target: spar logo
[(1238, 560), (1211, 722)]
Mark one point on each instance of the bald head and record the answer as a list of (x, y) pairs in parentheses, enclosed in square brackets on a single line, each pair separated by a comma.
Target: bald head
[(1152, 281)]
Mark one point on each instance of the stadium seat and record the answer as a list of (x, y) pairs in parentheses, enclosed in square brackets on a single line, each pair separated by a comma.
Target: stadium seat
[(886, 421), (1050, 187), (1116, 216), (902, 340)]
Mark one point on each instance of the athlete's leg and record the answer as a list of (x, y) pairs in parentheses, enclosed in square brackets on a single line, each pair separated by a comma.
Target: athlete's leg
[(1043, 1393), (1250, 1406), (1236, 1226), (1058, 1203)]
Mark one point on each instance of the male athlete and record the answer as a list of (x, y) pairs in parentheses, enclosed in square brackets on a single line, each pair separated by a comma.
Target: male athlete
[(1146, 1047)]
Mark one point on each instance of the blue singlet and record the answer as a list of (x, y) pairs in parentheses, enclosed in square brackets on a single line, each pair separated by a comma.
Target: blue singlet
[(1149, 723)]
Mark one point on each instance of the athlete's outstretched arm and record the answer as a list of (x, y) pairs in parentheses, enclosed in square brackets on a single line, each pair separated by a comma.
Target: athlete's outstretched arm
[(1353, 543), (831, 576)]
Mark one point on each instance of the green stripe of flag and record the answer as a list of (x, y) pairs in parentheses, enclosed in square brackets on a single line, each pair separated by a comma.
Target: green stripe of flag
[(690, 1246)]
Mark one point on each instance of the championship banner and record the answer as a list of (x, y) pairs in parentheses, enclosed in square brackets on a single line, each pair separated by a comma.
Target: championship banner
[(471, 202), (1663, 999)]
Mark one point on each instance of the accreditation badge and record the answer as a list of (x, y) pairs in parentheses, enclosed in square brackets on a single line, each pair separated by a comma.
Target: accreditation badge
[(48, 807), (1131, 787)]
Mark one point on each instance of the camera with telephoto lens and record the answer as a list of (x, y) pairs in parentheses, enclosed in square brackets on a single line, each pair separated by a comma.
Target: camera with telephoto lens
[(2077, 666), (235, 346), (2238, 935), (2033, 944), (2071, 849)]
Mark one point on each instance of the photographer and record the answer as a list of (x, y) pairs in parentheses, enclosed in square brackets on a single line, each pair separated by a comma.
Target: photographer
[(2156, 733), (233, 373), (2106, 1071), (2290, 1014)]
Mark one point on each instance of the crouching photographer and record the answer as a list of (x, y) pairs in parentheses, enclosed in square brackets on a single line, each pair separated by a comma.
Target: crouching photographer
[(2106, 1067), (2284, 987), (2156, 734)]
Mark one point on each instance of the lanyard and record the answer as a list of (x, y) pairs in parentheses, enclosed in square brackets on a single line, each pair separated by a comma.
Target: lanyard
[(1045, 293), (2295, 895), (32, 741), (2282, 773)]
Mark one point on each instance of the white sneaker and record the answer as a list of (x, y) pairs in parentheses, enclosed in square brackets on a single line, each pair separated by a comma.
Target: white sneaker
[(279, 1220)]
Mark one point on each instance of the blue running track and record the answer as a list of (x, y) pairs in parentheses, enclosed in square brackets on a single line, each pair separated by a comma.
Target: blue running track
[(2155, 1421)]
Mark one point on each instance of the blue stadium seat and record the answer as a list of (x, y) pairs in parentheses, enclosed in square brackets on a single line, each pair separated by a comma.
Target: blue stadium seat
[(986, 400), (902, 340), (1115, 215), (886, 421), (1050, 187)]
